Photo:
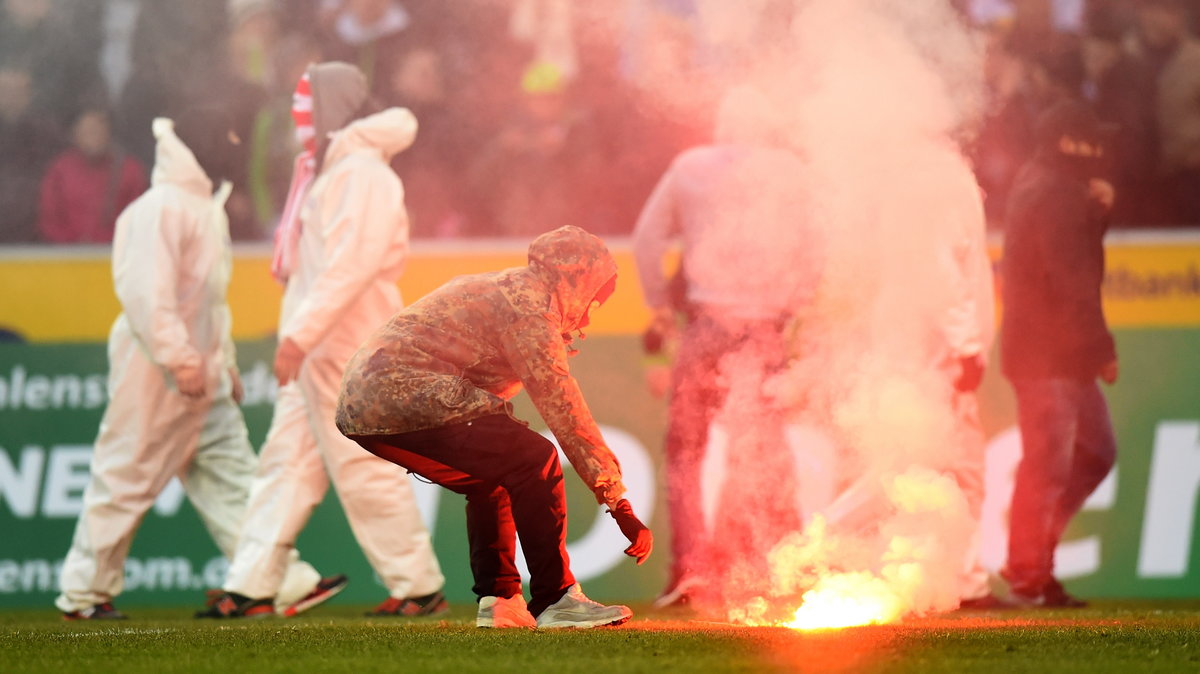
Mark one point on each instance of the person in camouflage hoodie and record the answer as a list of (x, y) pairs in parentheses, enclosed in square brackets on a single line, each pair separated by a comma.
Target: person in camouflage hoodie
[(430, 391)]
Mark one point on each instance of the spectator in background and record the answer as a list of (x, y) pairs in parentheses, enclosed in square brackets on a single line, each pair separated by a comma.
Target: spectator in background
[(1056, 74), (89, 184), (1174, 56), (27, 144), (548, 27), (266, 64), (484, 62), (305, 18), (181, 57), (1049, 73), (233, 78), (61, 55), (273, 146), (1120, 87), (115, 20), (371, 34), (429, 169), (253, 35), (171, 52), (538, 171), (1004, 138), (638, 129)]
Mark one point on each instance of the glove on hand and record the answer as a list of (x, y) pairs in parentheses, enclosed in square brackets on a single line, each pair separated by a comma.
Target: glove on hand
[(640, 539), (652, 341), (970, 374)]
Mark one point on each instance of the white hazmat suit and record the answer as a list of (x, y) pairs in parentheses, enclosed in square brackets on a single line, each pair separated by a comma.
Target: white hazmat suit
[(352, 250), (941, 314), (171, 267)]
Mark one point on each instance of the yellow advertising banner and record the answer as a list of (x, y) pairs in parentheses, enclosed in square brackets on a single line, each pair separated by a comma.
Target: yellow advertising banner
[(66, 295), (1153, 285), (69, 297)]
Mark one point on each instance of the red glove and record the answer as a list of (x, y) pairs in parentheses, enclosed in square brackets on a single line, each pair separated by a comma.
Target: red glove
[(641, 541), (1110, 371), (970, 373)]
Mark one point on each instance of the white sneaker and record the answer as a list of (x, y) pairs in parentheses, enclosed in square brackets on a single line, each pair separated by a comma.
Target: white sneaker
[(504, 612), (576, 610)]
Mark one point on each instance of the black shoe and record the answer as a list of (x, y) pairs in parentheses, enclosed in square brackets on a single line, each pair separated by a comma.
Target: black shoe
[(988, 602), (1051, 595), (1055, 595), (1023, 594), (325, 589), (232, 605), (105, 611), (412, 607)]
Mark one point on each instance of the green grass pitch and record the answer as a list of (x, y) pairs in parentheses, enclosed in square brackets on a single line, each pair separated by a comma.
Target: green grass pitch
[(1110, 636)]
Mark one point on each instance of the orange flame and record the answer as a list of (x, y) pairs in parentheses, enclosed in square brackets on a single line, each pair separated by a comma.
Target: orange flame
[(847, 600), (907, 564)]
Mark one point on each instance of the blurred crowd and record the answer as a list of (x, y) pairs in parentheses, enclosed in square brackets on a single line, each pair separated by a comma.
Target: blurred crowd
[(533, 113), (1136, 63)]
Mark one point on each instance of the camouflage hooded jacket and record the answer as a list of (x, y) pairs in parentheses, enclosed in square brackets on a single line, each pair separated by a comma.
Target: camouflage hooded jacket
[(467, 348)]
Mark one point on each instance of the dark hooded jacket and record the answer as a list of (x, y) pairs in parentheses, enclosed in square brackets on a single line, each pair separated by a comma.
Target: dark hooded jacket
[(464, 350), (1053, 269)]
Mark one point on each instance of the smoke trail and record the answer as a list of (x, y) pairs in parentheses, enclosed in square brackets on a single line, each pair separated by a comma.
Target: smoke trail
[(873, 93)]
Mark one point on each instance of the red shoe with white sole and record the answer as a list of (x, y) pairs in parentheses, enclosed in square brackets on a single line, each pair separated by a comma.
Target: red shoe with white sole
[(324, 590)]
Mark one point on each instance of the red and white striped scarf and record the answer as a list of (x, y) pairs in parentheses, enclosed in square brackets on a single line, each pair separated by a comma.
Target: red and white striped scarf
[(287, 234), (302, 114)]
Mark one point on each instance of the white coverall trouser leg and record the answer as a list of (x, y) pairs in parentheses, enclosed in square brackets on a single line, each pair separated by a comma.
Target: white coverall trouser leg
[(859, 505), (968, 472), (140, 447), (301, 446)]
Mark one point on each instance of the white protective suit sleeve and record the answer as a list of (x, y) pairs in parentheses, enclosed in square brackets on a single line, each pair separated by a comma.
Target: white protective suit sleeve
[(145, 272), (228, 349), (968, 323), (223, 314), (656, 227), (368, 206)]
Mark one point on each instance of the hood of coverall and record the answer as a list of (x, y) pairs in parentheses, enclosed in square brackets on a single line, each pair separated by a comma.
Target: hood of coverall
[(574, 265), (387, 132), (338, 92), (174, 163)]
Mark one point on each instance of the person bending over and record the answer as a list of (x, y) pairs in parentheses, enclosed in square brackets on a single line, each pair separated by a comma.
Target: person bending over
[(430, 391)]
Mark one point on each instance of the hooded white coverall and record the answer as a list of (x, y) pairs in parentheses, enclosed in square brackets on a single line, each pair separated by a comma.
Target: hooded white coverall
[(171, 267), (968, 327), (956, 320), (352, 250)]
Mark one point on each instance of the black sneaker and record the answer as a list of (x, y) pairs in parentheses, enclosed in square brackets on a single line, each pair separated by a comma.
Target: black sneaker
[(232, 605), (1023, 593), (325, 589), (1051, 595), (105, 611), (988, 602), (412, 607), (1055, 595)]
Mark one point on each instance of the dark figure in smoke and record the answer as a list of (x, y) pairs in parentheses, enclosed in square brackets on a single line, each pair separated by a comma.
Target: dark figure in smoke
[(737, 208), (1055, 343), (430, 391)]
